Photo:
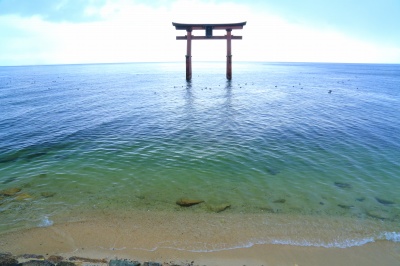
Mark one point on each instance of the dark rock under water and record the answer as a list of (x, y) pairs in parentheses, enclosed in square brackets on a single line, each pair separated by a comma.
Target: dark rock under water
[(343, 185), (9, 180), (35, 155), (10, 191), (219, 207), (346, 207), (379, 214), (384, 202), (47, 194), (279, 201), (185, 202), (273, 171), (9, 159)]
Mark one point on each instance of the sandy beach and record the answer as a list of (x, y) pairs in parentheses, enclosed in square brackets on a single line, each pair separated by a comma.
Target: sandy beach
[(169, 237), (370, 254)]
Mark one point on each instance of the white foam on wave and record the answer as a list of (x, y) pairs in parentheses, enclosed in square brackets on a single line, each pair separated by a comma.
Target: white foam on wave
[(391, 236), (45, 222), (200, 246), (334, 244), (346, 243)]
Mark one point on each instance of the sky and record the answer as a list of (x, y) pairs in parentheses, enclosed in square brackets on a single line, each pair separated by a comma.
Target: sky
[(34, 32)]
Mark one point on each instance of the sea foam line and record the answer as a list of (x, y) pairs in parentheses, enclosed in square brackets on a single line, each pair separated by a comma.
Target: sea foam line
[(347, 243), (45, 222), (390, 236)]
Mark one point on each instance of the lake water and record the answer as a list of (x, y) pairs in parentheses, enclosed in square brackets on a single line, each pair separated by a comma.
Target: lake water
[(318, 142)]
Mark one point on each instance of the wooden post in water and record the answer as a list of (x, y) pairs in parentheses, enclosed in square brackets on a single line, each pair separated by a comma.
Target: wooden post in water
[(228, 54), (189, 54), (209, 35)]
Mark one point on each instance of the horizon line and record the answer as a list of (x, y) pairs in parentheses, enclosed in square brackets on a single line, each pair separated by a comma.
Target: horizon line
[(201, 61)]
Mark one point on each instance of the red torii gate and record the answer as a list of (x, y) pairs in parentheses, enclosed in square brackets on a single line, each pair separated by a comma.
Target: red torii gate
[(209, 35)]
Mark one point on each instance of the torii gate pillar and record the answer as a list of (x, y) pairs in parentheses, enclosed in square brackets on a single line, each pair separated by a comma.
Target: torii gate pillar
[(209, 35), (189, 55), (228, 54)]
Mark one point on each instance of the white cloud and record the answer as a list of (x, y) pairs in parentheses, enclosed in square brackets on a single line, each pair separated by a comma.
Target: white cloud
[(279, 40), (137, 32)]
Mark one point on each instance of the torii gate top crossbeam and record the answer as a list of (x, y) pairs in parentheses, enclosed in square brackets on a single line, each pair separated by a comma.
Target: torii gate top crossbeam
[(198, 26)]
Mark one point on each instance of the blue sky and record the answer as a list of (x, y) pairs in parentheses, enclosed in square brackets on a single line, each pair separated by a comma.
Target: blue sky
[(101, 31)]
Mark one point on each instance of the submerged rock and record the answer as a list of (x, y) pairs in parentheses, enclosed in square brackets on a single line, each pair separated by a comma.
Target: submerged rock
[(273, 171), (384, 202), (379, 214), (219, 207), (267, 209), (23, 196), (141, 197), (185, 202), (10, 192), (42, 175), (34, 155), (47, 194), (347, 207), (9, 159), (9, 180), (343, 185)]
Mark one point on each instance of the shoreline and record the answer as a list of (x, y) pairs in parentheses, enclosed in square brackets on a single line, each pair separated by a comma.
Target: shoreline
[(162, 238), (378, 253)]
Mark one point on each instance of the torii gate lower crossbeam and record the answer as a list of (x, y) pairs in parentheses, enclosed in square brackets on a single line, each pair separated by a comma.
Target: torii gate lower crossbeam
[(209, 35)]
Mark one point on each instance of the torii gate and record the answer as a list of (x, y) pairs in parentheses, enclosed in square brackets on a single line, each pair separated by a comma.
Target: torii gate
[(209, 35)]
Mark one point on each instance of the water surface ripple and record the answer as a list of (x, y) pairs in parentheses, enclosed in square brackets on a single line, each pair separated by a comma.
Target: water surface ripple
[(320, 140)]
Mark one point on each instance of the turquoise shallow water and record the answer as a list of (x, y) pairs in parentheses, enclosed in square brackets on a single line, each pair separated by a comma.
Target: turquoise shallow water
[(138, 136)]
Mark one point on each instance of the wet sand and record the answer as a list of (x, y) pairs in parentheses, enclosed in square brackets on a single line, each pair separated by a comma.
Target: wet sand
[(166, 237)]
